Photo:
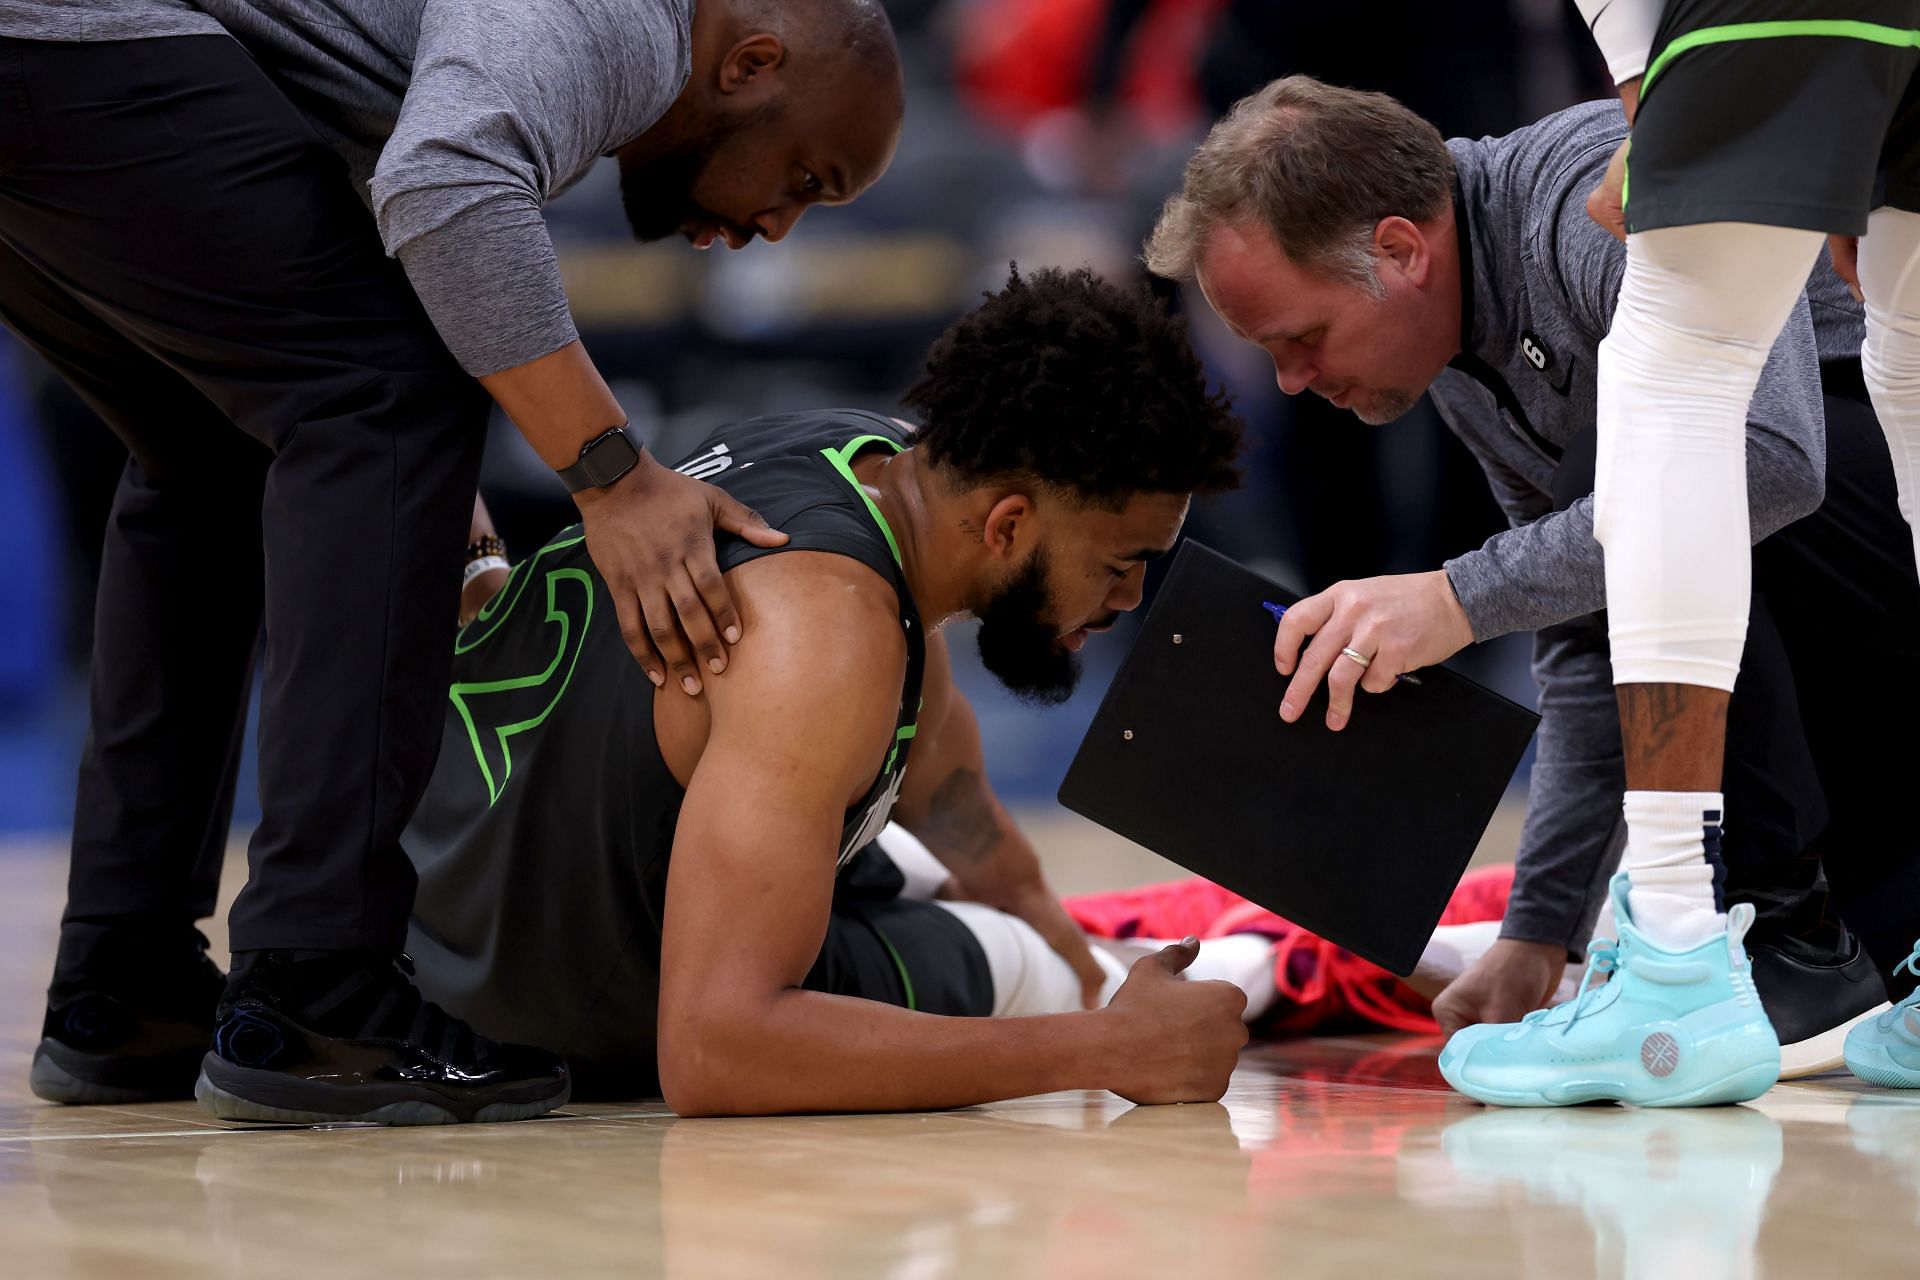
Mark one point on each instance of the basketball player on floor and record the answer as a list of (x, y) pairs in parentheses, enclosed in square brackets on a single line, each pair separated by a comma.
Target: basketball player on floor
[(644, 881)]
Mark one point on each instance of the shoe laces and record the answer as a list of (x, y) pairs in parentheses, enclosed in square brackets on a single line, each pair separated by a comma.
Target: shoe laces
[(1912, 999), (1602, 957), (1911, 964)]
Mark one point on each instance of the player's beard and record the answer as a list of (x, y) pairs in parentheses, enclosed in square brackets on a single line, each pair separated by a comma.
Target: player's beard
[(1020, 647)]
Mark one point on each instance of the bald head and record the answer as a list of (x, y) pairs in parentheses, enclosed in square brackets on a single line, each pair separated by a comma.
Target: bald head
[(848, 36), (838, 47)]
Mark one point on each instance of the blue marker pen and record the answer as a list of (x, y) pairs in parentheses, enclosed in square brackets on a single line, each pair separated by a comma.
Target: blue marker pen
[(1279, 611)]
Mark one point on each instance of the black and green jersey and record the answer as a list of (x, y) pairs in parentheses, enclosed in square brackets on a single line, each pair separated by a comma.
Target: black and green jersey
[(1785, 113), (543, 840)]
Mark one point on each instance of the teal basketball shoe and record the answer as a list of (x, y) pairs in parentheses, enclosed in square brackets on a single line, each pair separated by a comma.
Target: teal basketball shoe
[(1886, 1050), (1670, 1029)]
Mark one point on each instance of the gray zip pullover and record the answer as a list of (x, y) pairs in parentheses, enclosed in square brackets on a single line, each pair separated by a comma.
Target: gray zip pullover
[(458, 119)]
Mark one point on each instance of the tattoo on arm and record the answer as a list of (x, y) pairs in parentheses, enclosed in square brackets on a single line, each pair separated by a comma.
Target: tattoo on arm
[(961, 820)]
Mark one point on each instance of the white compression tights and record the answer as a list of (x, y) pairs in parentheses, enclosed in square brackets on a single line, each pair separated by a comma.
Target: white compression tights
[(1029, 977), (1890, 277), (1699, 309)]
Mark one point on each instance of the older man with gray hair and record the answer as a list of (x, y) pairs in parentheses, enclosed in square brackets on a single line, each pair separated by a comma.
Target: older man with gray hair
[(1374, 263)]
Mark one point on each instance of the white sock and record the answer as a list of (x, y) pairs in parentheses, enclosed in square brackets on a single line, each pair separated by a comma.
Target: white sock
[(1668, 839)]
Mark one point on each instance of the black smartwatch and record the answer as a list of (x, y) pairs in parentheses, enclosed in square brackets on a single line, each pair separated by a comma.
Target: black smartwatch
[(603, 459)]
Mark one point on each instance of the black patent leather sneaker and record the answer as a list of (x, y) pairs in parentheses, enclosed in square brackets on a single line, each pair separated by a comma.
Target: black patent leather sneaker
[(97, 1048), (131, 1027), (349, 1038), (1814, 1002)]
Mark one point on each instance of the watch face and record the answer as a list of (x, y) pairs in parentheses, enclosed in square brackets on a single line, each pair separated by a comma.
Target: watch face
[(609, 458)]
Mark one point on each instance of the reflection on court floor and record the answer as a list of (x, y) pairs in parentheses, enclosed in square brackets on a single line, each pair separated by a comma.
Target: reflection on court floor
[(1328, 1157)]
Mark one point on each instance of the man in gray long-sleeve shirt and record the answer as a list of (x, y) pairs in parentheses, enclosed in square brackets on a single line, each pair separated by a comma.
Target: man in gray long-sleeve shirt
[(275, 243), (1494, 298)]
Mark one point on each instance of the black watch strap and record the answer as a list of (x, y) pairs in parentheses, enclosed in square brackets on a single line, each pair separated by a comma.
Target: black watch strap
[(603, 459)]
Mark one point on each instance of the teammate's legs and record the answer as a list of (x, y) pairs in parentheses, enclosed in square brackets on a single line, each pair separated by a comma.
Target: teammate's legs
[(1699, 309), (1886, 1051), (1890, 360), (1843, 584)]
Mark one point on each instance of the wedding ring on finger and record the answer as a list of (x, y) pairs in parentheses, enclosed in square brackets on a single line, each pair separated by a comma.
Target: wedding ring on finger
[(1358, 657)]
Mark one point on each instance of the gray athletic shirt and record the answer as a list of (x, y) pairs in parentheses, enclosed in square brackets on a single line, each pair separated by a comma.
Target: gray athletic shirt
[(458, 119), (1544, 282)]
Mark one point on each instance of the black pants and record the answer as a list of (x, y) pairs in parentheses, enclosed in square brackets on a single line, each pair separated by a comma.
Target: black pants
[(185, 250), (1816, 770)]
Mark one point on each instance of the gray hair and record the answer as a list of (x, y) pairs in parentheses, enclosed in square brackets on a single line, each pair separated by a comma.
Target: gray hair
[(1318, 166)]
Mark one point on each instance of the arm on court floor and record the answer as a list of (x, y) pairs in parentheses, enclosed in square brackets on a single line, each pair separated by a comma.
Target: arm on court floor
[(798, 729), (948, 802)]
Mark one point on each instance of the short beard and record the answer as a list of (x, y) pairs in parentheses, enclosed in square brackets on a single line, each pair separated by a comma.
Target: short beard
[(1388, 406), (657, 194), (1020, 647)]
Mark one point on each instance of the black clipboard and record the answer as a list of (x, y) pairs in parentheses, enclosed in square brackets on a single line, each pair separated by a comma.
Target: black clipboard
[(1359, 835)]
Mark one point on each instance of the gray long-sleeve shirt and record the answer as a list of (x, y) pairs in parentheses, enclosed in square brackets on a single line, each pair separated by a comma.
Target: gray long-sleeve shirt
[(1539, 284), (458, 120)]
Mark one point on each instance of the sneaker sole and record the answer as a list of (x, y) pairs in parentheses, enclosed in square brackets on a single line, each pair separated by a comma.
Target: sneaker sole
[(1743, 1085), (358, 1104), (54, 1081), (1824, 1052), (1875, 1067)]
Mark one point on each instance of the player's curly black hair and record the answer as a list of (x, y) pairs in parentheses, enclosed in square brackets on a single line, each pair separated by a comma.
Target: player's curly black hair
[(1086, 386)]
